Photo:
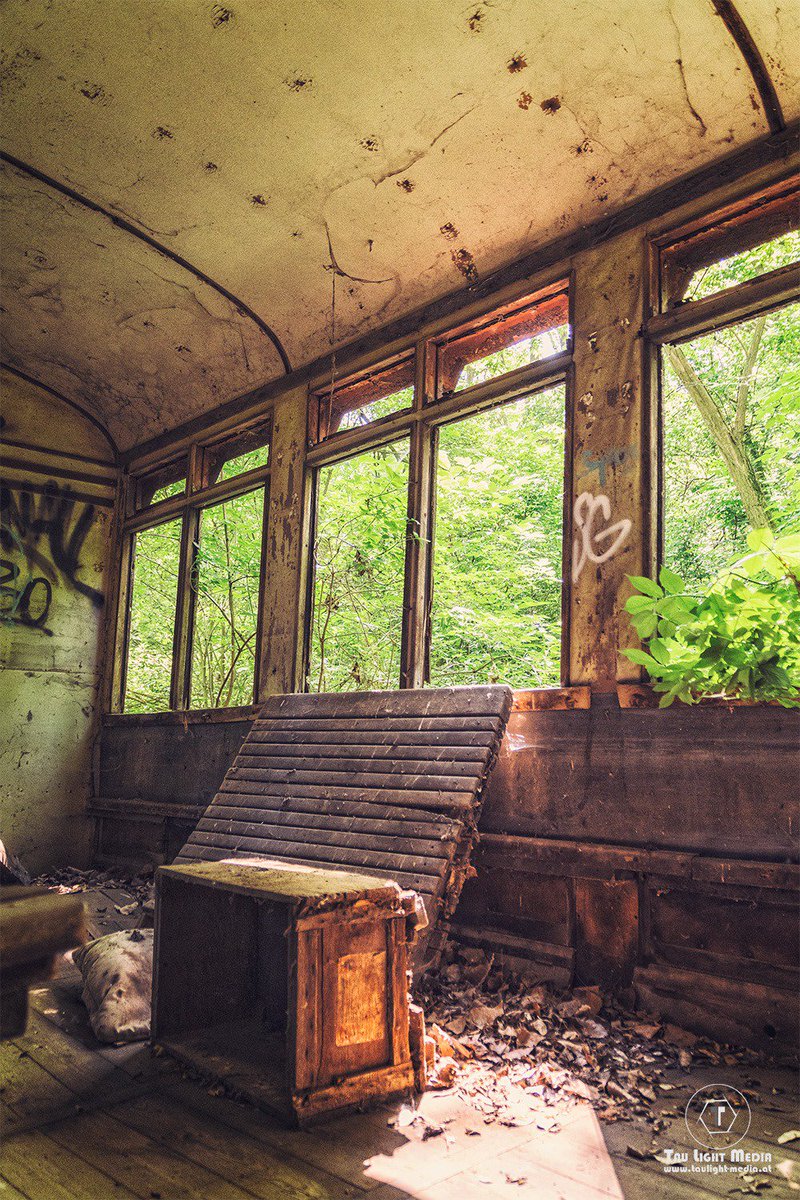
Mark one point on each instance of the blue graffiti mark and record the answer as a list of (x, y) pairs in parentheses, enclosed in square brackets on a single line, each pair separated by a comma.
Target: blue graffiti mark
[(610, 460)]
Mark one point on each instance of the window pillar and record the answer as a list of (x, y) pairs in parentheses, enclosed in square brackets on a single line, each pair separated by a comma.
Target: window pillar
[(608, 529), (286, 551)]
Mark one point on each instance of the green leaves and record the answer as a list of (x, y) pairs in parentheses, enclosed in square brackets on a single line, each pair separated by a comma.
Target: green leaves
[(741, 640), (670, 582), (646, 586)]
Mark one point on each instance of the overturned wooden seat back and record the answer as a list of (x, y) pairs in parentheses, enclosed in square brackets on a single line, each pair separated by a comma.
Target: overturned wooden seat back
[(388, 782)]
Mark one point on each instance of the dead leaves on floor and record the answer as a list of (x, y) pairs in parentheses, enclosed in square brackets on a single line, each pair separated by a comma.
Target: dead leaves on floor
[(514, 1050)]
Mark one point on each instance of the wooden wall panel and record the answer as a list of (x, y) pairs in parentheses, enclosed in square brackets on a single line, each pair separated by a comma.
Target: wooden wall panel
[(606, 931), (705, 779), (171, 763)]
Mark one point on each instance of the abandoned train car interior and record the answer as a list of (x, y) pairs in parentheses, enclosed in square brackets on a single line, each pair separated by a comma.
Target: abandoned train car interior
[(399, 600)]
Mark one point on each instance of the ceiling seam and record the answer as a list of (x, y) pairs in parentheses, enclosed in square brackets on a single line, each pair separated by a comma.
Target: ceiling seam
[(44, 387), (127, 227), (751, 54)]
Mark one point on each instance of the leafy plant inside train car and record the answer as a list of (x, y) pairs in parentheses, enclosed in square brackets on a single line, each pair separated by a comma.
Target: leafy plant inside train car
[(740, 639)]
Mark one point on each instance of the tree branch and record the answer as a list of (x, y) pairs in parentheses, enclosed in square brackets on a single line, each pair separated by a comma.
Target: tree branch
[(745, 379), (732, 451)]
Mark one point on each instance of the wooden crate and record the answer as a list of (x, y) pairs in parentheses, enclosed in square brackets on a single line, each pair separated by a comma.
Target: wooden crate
[(287, 984)]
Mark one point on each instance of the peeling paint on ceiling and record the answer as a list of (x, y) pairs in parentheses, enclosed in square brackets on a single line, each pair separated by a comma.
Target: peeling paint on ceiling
[(263, 143)]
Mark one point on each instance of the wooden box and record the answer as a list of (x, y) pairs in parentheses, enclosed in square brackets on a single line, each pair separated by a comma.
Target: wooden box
[(286, 983)]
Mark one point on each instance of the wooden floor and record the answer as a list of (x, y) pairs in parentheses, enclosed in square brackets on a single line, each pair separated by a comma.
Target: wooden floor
[(84, 1123)]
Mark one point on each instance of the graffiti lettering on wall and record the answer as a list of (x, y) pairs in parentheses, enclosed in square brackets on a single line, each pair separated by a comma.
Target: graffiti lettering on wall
[(595, 539), (42, 537)]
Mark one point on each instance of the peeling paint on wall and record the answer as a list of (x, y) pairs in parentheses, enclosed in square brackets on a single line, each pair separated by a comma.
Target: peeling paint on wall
[(54, 544)]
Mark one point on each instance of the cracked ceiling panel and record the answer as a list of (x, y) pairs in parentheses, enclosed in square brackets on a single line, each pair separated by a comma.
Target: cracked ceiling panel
[(110, 323), (420, 146)]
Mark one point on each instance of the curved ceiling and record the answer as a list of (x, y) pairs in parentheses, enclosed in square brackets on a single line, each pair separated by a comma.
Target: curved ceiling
[(417, 146)]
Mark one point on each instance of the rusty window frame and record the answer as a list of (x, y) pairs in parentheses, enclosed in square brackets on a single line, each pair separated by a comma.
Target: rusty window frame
[(340, 397), (543, 310), (677, 254)]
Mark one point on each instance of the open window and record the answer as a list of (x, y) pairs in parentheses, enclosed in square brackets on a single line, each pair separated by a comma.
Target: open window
[(358, 566), (362, 399), (163, 483), (497, 560), (189, 622), (155, 571), (730, 387), (226, 582), (236, 455), (506, 340)]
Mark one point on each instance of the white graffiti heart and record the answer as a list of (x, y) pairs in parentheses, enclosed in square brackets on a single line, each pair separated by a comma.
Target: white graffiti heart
[(585, 543)]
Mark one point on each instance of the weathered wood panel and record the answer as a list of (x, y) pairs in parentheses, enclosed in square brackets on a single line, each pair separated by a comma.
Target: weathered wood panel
[(609, 530), (703, 779), (167, 761), (284, 581)]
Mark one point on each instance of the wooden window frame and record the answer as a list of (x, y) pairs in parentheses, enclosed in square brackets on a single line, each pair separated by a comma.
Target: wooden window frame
[(673, 257), (187, 508), (420, 423)]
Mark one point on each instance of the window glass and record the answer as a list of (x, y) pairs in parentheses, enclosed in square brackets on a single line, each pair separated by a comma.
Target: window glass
[(156, 558), (780, 252), (365, 399), (531, 331), (731, 422), (497, 563), (227, 580), (236, 455), (359, 554)]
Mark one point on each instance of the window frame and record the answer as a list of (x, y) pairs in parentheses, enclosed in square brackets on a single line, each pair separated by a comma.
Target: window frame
[(720, 233), (421, 423), (187, 507)]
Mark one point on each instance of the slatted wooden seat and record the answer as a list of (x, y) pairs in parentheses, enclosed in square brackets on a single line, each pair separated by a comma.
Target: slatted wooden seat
[(389, 782)]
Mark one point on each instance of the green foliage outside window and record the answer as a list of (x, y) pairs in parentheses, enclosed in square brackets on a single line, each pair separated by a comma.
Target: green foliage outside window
[(740, 639), (359, 556), (731, 421), (226, 579), (383, 407), (497, 563), (520, 354), (152, 618), (724, 617)]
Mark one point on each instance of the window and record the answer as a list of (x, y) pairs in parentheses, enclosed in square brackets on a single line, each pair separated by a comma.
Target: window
[(154, 596), (519, 335), (739, 268), (189, 612), (162, 484), (362, 400), (496, 614), (246, 452), (438, 547), (227, 574), (359, 552), (730, 387)]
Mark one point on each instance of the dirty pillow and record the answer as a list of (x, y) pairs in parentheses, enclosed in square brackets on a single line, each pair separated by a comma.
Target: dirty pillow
[(117, 975)]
